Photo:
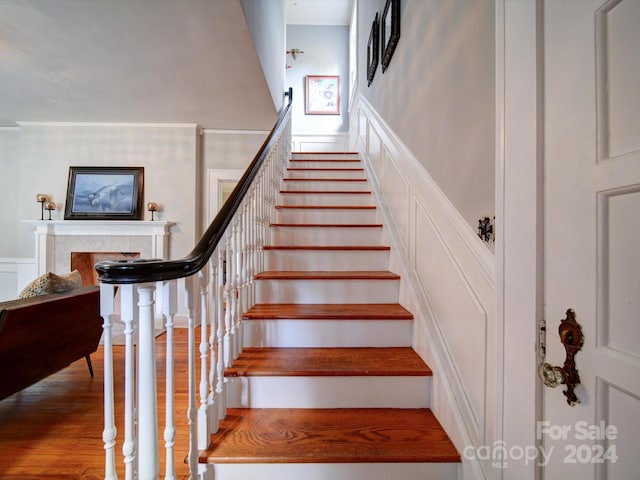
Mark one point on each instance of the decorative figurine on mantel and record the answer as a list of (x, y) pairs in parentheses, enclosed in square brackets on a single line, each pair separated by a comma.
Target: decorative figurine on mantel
[(152, 207), (49, 206), (41, 198)]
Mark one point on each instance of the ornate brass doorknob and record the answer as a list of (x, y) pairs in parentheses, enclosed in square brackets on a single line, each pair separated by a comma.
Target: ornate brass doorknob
[(551, 376), (571, 337)]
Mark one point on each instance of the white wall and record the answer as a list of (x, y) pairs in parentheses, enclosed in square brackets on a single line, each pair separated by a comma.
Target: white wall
[(438, 93), (326, 52), (227, 150), (266, 21), (169, 155), (10, 167)]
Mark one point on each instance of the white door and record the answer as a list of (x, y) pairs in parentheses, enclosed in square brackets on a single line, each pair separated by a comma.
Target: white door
[(592, 234)]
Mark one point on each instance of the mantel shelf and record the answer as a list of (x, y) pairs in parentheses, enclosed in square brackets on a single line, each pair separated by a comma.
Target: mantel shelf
[(101, 227), (57, 239)]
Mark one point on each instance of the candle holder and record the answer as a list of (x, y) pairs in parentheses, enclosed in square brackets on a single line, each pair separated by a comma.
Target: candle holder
[(49, 206), (152, 207), (41, 198)]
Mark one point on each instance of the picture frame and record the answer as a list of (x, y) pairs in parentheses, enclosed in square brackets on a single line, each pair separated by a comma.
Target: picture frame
[(104, 193), (322, 95), (390, 31), (373, 50)]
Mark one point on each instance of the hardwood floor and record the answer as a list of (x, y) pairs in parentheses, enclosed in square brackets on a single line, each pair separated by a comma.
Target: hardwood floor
[(53, 429)]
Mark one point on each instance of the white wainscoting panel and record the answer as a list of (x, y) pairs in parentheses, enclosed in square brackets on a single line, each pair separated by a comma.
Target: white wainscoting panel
[(15, 273), (397, 191), (448, 282)]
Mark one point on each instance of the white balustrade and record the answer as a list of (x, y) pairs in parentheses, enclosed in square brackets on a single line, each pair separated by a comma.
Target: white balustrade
[(215, 300)]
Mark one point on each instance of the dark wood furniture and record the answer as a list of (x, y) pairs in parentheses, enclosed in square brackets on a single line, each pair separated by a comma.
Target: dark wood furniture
[(44, 334)]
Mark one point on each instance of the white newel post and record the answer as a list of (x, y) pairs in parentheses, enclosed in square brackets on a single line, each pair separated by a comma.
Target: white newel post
[(148, 464)]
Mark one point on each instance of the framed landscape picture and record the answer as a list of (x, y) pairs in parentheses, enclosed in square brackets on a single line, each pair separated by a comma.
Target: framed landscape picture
[(104, 193), (323, 95)]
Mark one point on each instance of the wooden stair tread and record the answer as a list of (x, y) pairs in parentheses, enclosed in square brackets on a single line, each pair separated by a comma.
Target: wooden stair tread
[(329, 436), (324, 179), (328, 247), (329, 154), (319, 169), (326, 275), (325, 160), (325, 192), (327, 207), (328, 362), (328, 225), (328, 311)]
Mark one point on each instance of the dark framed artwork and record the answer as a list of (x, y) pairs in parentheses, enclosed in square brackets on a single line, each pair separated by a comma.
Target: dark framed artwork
[(322, 95), (373, 50), (104, 193), (390, 31)]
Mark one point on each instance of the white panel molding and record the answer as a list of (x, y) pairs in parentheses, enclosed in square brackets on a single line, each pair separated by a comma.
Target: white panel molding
[(452, 279), (472, 263), (398, 192), (15, 273), (605, 86)]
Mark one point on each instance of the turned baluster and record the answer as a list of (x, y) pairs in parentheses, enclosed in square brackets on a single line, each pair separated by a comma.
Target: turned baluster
[(109, 432), (169, 307), (127, 307)]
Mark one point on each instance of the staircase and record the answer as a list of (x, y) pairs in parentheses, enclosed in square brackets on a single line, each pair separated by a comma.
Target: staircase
[(328, 386)]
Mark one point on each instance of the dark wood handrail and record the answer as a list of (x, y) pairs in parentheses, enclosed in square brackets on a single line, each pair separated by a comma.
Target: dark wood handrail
[(143, 271)]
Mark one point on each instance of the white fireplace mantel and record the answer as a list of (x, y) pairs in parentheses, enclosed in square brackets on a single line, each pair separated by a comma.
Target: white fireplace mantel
[(56, 239)]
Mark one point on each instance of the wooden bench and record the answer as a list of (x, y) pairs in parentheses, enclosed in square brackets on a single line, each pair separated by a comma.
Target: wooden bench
[(44, 334)]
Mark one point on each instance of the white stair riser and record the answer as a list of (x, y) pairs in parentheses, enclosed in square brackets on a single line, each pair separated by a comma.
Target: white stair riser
[(328, 392), (325, 155), (327, 333), (301, 163), (326, 260), (335, 471), (330, 215), (324, 185), (324, 173), (360, 198), (334, 236), (327, 291)]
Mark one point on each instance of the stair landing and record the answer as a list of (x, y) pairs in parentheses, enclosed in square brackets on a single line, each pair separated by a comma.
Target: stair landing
[(330, 436)]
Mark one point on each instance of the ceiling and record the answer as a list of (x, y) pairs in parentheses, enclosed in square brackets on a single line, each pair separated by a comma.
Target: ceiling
[(138, 61)]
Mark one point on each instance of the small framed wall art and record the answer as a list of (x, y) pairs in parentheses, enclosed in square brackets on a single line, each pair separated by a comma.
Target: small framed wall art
[(390, 31), (323, 95), (104, 193), (373, 50)]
